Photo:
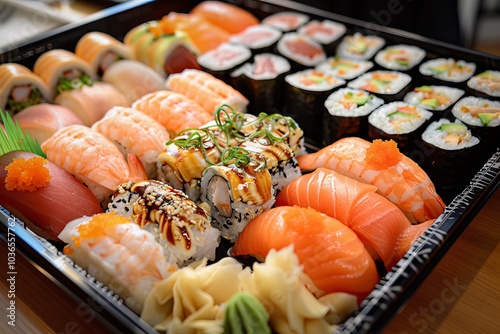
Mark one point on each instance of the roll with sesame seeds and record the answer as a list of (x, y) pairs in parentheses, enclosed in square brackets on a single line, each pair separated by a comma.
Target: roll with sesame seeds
[(178, 224)]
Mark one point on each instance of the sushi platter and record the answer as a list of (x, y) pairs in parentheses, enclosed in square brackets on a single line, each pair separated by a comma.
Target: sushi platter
[(343, 106)]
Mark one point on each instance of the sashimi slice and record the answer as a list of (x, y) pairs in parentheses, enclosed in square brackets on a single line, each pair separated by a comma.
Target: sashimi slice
[(331, 253)]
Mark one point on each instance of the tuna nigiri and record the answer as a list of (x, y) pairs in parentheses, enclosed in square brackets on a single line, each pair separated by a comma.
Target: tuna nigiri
[(174, 111), (379, 224), (331, 253), (226, 16), (92, 159), (206, 90), (135, 132), (380, 163)]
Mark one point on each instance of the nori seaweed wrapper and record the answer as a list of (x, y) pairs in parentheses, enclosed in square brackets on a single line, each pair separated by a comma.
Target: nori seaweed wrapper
[(338, 127), (408, 143)]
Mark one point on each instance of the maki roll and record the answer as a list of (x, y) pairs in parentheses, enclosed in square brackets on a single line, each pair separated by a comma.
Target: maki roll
[(286, 21), (21, 88), (389, 85), (326, 32), (305, 95), (359, 46), (222, 60), (236, 195), (344, 68), (180, 226), (448, 145), (483, 117), (302, 51), (487, 83), (400, 57), (401, 122), (346, 114), (101, 50), (262, 82), (258, 38), (437, 99), (449, 70)]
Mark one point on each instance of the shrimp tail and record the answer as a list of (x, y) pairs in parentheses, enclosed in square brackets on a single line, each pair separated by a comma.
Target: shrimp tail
[(137, 171)]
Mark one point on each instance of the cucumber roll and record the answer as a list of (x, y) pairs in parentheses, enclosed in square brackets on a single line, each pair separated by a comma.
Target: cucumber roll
[(326, 32), (448, 145), (224, 59), (302, 51), (178, 224), (258, 38), (286, 21), (485, 84), (305, 94), (400, 57), (346, 114), (389, 85), (447, 69), (401, 122), (262, 82), (344, 68), (359, 46), (438, 99), (483, 117), (236, 195)]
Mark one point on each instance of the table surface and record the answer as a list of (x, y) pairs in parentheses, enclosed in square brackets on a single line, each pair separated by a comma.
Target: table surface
[(461, 294)]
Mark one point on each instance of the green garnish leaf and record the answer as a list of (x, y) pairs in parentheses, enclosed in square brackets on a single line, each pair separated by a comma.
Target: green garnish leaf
[(16, 139)]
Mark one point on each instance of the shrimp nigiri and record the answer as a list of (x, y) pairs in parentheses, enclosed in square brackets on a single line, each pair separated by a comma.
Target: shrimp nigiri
[(93, 159), (119, 254), (379, 224), (174, 111), (380, 163), (136, 133), (331, 253)]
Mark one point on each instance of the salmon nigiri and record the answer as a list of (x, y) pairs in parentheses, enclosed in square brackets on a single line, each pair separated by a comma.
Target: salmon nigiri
[(331, 253), (206, 90), (379, 224), (174, 111), (226, 16), (380, 163), (93, 159)]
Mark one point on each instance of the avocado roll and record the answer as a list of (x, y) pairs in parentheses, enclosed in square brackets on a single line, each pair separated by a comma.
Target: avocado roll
[(359, 46), (305, 94), (438, 99), (448, 70), (346, 114), (448, 145), (388, 85), (262, 82), (483, 117), (400, 57), (485, 84), (326, 32), (301, 51), (344, 68), (258, 38), (401, 122), (224, 59)]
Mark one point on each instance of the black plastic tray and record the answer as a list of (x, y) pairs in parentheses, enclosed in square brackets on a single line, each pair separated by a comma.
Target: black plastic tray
[(392, 292)]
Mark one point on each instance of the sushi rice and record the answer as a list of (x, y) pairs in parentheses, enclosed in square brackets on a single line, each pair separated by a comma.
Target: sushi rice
[(257, 37), (400, 57), (433, 135), (460, 111), (359, 46), (487, 82), (398, 125), (335, 108), (344, 68), (324, 32), (286, 21), (453, 94), (392, 82), (224, 57), (448, 69), (313, 80), (298, 54)]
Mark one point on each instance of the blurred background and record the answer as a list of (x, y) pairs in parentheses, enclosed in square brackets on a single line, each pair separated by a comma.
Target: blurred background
[(473, 24)]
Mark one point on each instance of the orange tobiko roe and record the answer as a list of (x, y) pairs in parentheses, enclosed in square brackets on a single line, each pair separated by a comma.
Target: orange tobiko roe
[(27, 175), (98, 226), (383, 154)]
